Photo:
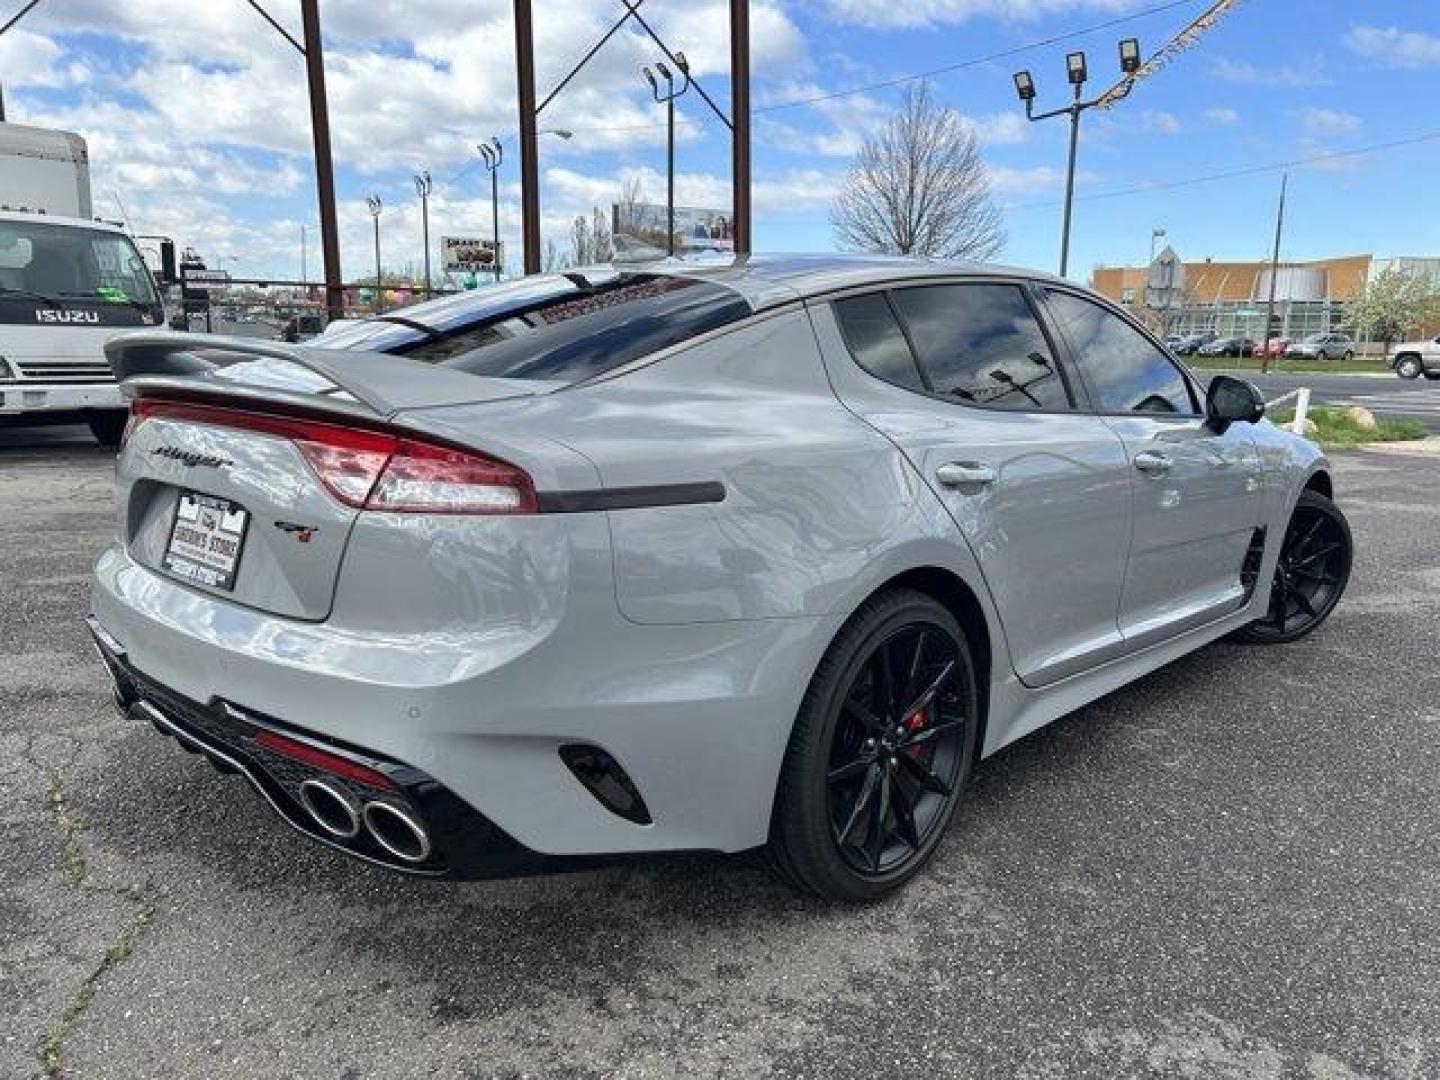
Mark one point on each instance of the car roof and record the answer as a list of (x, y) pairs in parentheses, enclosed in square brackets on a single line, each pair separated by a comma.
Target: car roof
[(768, 280)]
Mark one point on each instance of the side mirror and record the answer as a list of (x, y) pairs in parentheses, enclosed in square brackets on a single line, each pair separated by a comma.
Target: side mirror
[(1230, 401)]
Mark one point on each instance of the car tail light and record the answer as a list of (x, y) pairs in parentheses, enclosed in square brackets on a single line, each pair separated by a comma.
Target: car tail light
[(321, 759), (375, 470), (432, 479)]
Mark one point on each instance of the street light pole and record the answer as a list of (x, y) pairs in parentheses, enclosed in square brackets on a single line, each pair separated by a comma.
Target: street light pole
[(667, 98), (493, 153), (423, 187), (1070, 181), (1076, 73), (375, 205)]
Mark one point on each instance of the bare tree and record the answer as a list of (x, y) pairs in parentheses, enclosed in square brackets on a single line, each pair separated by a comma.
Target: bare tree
[(919, 187), (590, 240)]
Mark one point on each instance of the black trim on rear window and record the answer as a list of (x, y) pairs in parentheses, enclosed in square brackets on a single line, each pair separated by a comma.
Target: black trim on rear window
[(557, 328)]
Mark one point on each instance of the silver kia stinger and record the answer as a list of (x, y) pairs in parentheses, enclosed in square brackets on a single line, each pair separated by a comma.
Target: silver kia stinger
[(675, 558)]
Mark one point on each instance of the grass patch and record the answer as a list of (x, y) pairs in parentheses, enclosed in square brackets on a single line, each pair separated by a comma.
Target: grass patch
[(1360, 365), (1334, 430)]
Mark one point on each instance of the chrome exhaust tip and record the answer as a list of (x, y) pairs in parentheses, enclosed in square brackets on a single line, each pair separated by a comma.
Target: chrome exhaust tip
[(332, 811), (397, 832)]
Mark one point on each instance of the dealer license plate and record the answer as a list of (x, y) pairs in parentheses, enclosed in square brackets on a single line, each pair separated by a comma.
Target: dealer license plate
[(206, 539)]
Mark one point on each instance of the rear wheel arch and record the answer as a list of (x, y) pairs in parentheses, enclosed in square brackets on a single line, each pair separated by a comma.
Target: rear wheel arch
[(1320, 482)]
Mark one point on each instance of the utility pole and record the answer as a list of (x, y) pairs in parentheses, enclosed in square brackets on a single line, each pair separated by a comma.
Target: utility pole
[(1274, 273), (529, 140), (740, 117), (324, 166), (423, 187), (375, 205)]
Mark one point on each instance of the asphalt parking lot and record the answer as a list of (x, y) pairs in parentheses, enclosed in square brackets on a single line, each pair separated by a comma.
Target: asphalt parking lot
[(1230, 869)]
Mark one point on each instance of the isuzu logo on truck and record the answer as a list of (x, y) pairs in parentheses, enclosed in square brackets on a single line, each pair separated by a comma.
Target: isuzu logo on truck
[(55, 316)]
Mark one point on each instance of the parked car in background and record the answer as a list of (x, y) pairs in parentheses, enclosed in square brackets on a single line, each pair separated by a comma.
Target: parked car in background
[(1411, 359), (1229, 346), (685, 557), (1326, 346), (1272, 349), (1190, 344), (1172, 341)]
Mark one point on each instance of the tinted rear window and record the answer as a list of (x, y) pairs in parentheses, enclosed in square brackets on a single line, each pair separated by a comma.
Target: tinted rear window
[(558, 328)]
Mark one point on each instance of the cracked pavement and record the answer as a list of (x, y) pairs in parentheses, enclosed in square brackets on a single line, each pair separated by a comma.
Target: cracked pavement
[(1230, 869)]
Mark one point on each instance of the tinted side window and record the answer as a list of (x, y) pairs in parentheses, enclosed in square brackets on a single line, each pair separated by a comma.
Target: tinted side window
[(1125, 372), (982, 345), (876, 340)]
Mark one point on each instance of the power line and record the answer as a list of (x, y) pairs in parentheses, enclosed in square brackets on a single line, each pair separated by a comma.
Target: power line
[(944, 69), (1230, 174)]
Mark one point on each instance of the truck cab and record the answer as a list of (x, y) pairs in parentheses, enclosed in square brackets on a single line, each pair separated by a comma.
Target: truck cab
[(68, 283), (67, 286)]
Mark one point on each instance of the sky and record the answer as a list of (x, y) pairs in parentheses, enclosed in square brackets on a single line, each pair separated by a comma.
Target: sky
[(198, 123)]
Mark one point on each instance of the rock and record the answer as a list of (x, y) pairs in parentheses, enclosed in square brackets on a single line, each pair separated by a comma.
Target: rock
[(1360, 416)]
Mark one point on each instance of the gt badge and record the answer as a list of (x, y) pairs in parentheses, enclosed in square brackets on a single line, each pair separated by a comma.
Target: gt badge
[(302, 533)]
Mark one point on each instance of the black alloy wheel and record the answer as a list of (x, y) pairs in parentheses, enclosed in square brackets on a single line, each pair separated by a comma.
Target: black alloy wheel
[(1310, 575), (881, 749)]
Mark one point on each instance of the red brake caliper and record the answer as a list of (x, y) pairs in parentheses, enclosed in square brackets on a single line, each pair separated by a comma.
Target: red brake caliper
[(913, 723)]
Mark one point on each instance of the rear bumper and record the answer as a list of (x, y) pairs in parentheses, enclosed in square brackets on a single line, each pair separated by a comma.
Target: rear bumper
[(26, 397), (460, 842), (697, 715)]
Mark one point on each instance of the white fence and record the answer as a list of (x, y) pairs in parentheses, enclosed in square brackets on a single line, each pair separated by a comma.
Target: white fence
[(1302, 407)]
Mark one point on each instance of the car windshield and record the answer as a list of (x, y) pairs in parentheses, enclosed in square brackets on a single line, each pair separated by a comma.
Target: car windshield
[(554, 327), (1316, 339), (72, 263)]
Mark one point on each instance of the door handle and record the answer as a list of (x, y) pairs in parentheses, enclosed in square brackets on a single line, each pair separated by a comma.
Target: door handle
[(960, 473), (1153, 463)]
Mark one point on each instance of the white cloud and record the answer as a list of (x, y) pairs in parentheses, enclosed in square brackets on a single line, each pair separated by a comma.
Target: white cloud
[(1005, 180), (1394, 47), (919, 13), (1244, 73), (1328, 121), (29, 59), (1224, 116), (1159, 122)]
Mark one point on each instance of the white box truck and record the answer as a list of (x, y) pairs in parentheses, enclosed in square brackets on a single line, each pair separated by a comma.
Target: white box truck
[(68, 283)]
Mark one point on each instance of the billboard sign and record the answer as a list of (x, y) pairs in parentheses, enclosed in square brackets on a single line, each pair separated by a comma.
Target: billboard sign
[(197, 277), (469, 255), (639, 230)]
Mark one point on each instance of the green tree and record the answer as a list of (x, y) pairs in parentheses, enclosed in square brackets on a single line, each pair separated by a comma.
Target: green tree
[(1391, 303)]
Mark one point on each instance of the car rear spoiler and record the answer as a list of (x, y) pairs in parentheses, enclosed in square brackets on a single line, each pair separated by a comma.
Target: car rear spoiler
[(148, 363)]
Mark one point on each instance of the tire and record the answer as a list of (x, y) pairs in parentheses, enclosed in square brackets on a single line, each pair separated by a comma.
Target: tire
[(865, 792), (1432, 375), (1349, 355), (1408, 367), (107, 426), (1310, 575)]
